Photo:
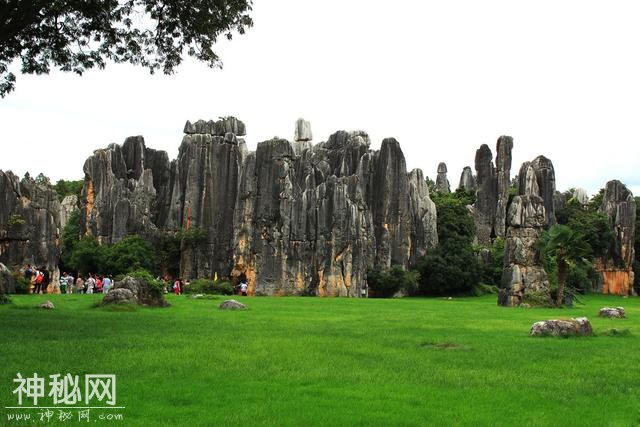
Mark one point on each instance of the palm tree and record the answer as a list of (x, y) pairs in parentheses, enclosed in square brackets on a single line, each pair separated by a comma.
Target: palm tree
[(568, 248)]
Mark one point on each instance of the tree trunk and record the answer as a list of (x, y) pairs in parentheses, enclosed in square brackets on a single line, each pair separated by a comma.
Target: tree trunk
[(562, 277)]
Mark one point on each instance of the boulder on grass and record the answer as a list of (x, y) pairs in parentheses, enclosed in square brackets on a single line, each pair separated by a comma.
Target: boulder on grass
[(143, 293), (574, 327), (119, 296), (232, 304), (47, 305), (617, 312)]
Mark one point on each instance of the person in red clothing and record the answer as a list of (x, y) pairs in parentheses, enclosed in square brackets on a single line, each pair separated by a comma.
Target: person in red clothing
[(99, 284), (177, 286)]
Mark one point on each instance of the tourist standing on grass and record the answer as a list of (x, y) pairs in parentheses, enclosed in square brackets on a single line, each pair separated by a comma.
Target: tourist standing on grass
[(243, 289), (63, 283), (79, 285), (177, 286), (38, 282), (70, 283), (91, 283), (98, 284), (106, 284), (28, 272)]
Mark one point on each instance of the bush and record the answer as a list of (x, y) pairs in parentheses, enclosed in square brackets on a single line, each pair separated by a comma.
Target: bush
[(22, 283), (483, 289), (386, 283), (148, 278), (207, 286), (130, 254)]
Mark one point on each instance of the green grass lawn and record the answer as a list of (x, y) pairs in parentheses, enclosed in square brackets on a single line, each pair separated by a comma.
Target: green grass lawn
[(327, 361)]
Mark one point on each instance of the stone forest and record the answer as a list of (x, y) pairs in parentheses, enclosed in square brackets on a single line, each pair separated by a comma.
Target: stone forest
[(298, 218)]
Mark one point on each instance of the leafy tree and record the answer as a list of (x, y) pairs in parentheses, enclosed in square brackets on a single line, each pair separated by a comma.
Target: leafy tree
[(87, 256), (167, 247), (76, 35), (68, 188), (131, 253), (567, 248), (387, 282), (70, 237), (451, 268)]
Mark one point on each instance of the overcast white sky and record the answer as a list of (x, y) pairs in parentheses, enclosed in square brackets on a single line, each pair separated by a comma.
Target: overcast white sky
[(443, 77)]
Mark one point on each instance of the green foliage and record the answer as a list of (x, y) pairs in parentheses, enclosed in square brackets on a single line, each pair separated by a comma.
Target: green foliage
[(42, 179), (492, 272), (70, 238), (167, 253), (22, 283), (193, 236), (483, 289), (564, 249), (147, 277), (590, 222), (87, 256), (386, 283), (68, 188), (15, 220), (130, 254), (451, 268), (75, 36), (211, 287)]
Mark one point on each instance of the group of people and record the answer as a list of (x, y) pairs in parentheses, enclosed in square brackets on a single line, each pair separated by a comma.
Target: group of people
[(94, 284), (40, 279)]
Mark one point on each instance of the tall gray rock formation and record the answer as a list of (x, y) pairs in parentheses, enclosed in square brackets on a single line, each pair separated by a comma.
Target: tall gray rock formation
[(309, 221), (67, 206), (503, 182), (302, 136), (523, 274), (467, 180), (546, 177), (29, 223), (442, 183), (616, 264), (484, 209)]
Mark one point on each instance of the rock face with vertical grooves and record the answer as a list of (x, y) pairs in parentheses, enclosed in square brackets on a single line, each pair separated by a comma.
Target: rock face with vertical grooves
[(492, 190), (467, 180), (546, 177), (442, 183), (292, 221), (616, 264), (29, 223), (523, 274)]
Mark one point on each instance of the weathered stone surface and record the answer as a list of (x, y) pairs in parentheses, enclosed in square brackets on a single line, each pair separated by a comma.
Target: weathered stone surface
[(119, 296), (575, 327), (303, 131), (546, 179), (503, 182), (47, 305), (126, 191), (442, 183), (467, 180), (290, 221), (67, 206), (616, 264), (7, 282), (29, 223), (581, 196), (143, 293), (232, 305), (484, 209), (524, 277), (220, 127), (617, 312)]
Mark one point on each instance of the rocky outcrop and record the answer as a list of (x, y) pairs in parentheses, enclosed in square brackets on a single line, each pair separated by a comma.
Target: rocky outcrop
[(67, 206), (442, 183), (119, 296), (232, 305), (524, 278), (612, 313), (616, 264), (291, 221), (216, 128), (302, 136), (126, 191), (144, 293), (546, 179), (562, 328), (492, 193), (581, 196), (467, 180), (29, 223), (7, 281)]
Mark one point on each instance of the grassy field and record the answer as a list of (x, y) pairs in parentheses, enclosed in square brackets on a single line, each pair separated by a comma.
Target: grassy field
[(322, 361)]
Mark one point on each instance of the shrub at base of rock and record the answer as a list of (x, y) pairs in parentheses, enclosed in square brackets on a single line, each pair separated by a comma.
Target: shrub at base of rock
[(143, 293), (47, 305), (564, 328), (232, 304), (119, 296), (617, 312), (7, 281)]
